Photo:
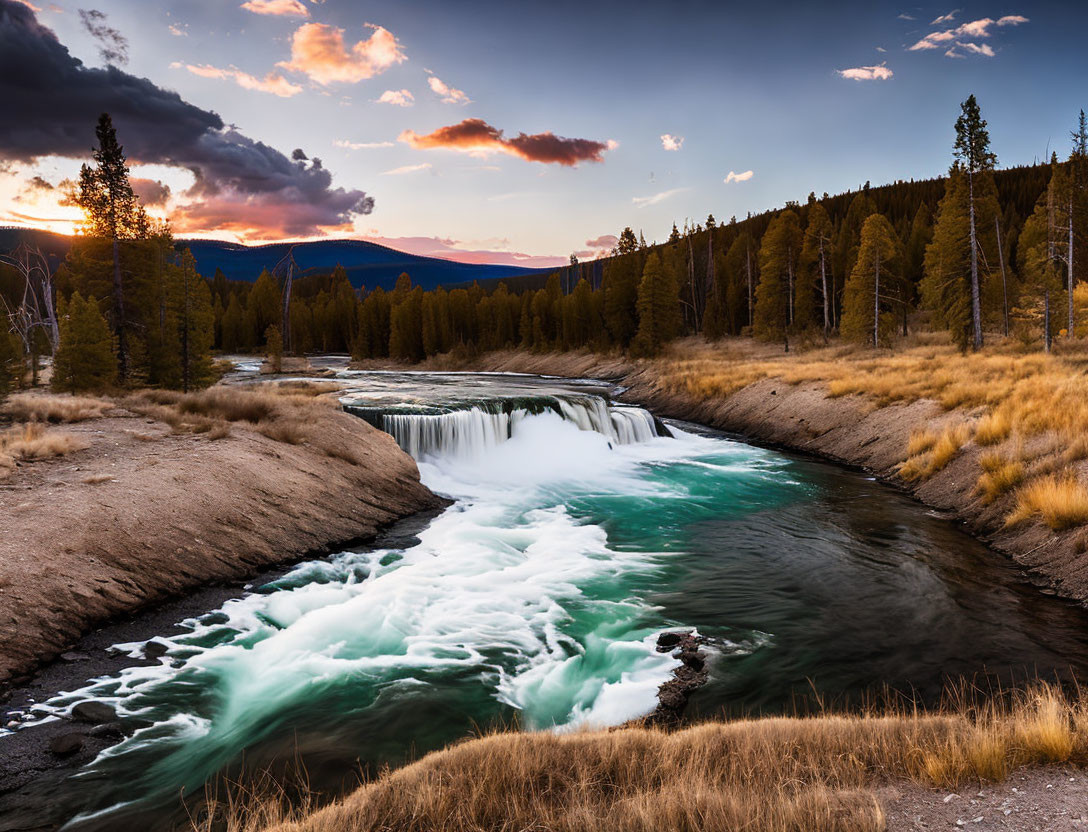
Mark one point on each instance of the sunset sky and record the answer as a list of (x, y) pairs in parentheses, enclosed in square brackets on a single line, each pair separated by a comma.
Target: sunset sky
[(513, 132)]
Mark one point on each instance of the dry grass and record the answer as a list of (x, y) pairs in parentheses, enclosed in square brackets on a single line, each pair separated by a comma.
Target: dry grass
[(1000, 474), (32, 442), (773, 774), (42, 407), (97, 479), (1038, 401), (1061, 501), (940, 453)]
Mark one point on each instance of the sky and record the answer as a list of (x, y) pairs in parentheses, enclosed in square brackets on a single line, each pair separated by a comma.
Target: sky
[(513, 133)]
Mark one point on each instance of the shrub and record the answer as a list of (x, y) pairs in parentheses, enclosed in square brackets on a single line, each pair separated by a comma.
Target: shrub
[(29, 407)]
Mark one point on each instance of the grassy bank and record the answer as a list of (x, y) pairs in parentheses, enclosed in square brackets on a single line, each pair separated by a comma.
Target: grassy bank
[(768, 774)]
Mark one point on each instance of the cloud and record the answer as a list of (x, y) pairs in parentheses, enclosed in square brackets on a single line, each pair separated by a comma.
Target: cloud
[(484, 251), (476, 136), (881, 49), (112, 45), (360, 145), (318, 51), (51, 104), (178, 31), (866, 73), (945, 18), (280, 8), (273, 82), (646, 201), (407, 169), (905, 16), (671, 142), (739, 177), (449, 94), (950, 39), (605, 242), (983, 49), (151, 192), (398, 98)]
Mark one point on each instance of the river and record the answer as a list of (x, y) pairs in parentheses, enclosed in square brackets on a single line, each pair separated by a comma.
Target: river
[(579, 530)]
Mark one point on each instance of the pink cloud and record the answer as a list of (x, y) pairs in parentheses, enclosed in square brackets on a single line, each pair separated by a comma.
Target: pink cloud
[(254, 217), (449, 94), (272, 83), (476, 136), (319, 51), (867, 73), (981, 28), (281, 8), (455, 250), (398, 98)]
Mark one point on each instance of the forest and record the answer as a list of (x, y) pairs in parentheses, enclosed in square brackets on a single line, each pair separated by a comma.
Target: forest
[(979, 253)]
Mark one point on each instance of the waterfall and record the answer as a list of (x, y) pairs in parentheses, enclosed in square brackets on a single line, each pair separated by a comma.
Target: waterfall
[(470, 430)]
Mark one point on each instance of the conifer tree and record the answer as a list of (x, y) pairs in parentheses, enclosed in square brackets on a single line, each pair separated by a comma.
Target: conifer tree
[(11, 360), (658, 308), (865, 314), (233, 326), (816, 257), (779, 254), (112, 212), (972, 151), (190, 306), (273, 347), (620, 285), (85, 359), (946, 287)]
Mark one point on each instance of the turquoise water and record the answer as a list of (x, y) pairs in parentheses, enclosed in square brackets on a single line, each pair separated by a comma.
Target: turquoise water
[(536, 599)]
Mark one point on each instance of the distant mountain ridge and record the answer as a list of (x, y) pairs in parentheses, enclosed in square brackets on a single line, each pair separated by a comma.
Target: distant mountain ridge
[(367, 264)]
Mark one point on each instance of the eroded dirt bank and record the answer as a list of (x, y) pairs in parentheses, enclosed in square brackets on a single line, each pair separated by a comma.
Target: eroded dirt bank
[(852, 430), (144, 514)]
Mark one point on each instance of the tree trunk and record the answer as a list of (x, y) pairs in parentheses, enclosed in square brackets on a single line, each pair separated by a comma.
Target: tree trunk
[(1004, 282), (827, 299), (789, 284), (1069, 263), (119, 314), (976, 304), (876, 302), (751, 300), (1046, 319)]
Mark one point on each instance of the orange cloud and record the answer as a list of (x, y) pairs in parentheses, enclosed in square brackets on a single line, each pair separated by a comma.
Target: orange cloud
[(318, 50), (273, 82), (398, 98), (282, 8), (252, 218), (474, 135)]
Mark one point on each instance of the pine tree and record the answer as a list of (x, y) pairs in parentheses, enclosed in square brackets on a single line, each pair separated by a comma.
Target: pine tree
[(233, 337), (865, 315), (627, 244), (972, 151), (946, 287), (189, 302), (85, 358), (779, 254), (273, 347), (620, 286), (112, 212), (658, 308), (816, 259)]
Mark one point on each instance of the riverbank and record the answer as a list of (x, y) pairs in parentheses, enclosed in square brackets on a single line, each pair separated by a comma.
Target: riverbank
[(161, 494), (997, 440)]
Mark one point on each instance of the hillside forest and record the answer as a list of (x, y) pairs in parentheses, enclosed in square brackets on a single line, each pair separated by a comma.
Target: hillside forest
[(980, 253)]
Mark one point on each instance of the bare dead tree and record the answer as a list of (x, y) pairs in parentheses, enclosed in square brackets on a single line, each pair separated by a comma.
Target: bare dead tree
[(36, 307), (286, 267)]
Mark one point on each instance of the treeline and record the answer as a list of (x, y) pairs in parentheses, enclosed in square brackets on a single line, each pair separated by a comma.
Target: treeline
[(978, 251)]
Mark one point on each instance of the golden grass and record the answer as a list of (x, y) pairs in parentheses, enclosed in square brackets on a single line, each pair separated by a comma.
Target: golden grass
[(34, 441), (1061, 501), (994, 428), (941, 451), (774, 774), (43, 407), (921, 441), (1000, 475)]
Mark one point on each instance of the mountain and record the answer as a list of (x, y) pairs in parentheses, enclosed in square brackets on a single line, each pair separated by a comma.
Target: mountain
[(367, 264)]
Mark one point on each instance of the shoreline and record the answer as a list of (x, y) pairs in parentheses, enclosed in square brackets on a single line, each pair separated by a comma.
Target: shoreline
[(848, 430)]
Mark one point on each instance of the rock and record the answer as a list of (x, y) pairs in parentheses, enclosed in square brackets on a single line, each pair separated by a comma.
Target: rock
[(66, 744), (155, 649), (671, 640), (108, 731), (93, 712), (73, 656)]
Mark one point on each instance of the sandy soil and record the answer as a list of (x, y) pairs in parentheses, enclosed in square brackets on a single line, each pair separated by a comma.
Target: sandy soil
[(142, 515), (1031, 800)]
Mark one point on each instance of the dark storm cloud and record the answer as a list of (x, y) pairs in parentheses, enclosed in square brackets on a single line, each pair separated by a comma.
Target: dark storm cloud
[(112, 45), (52, 102)]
